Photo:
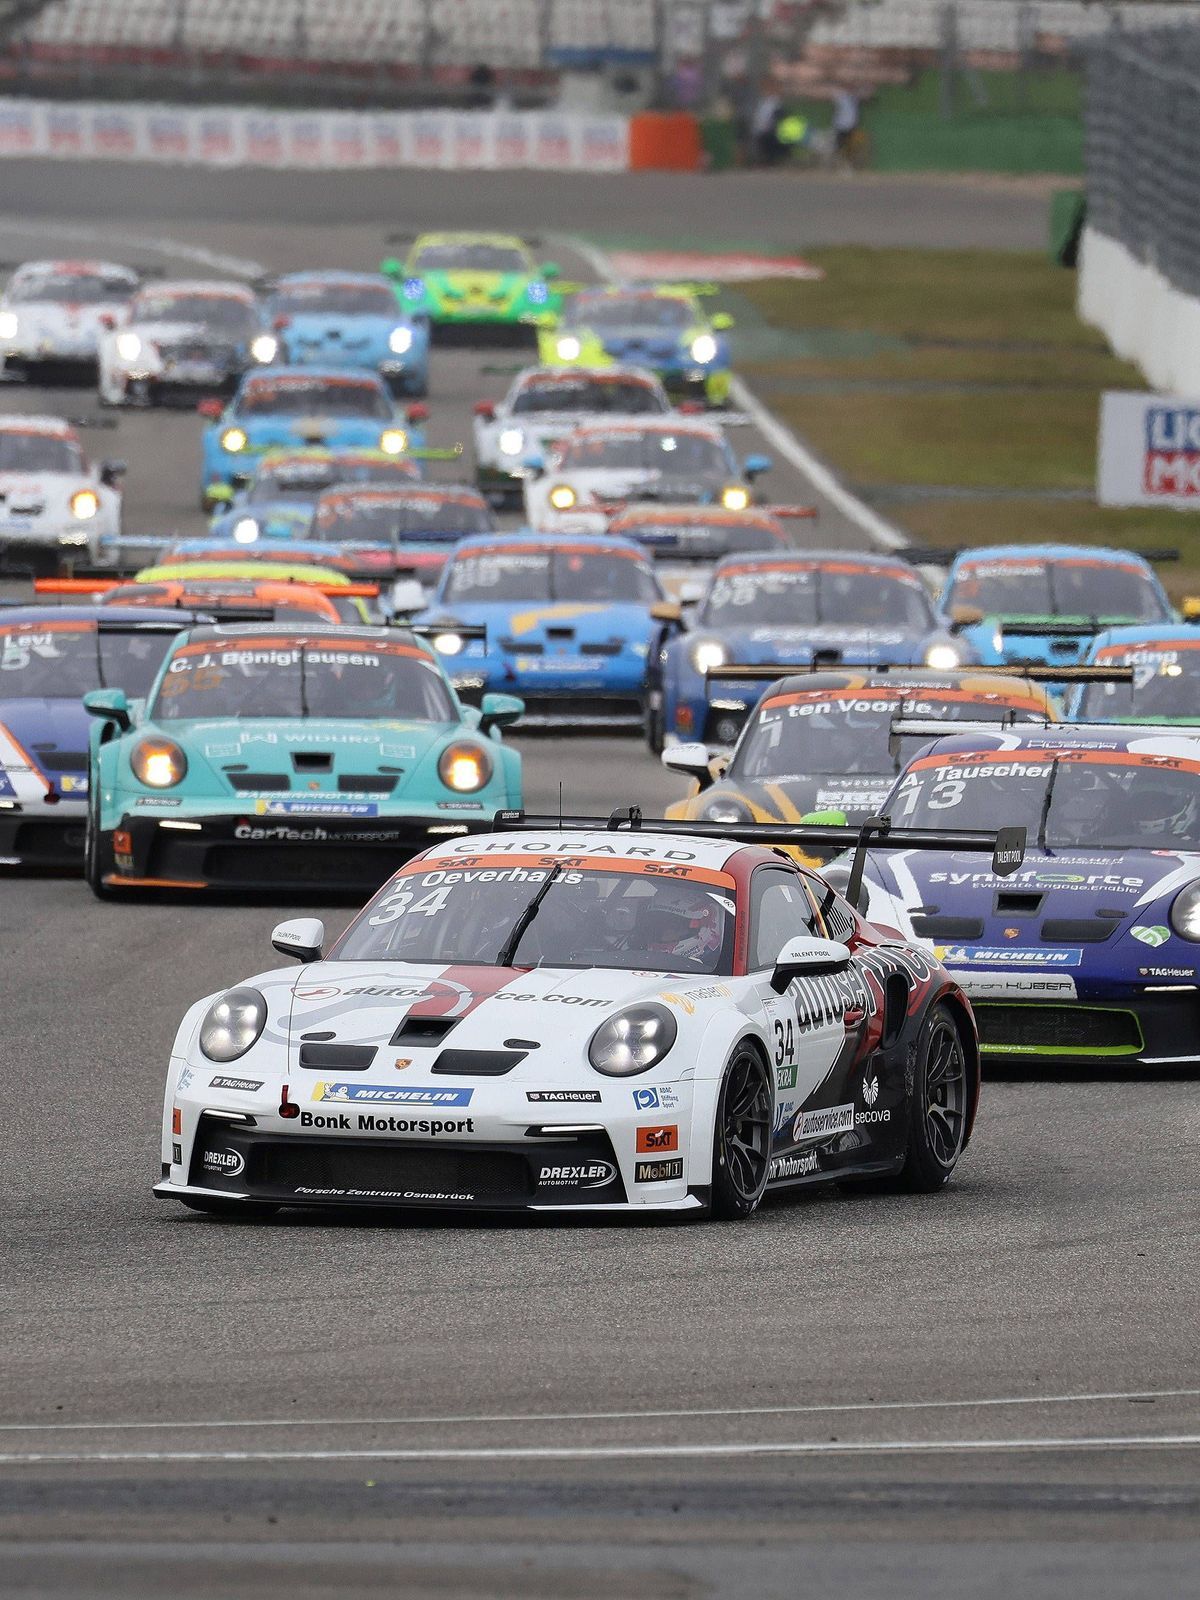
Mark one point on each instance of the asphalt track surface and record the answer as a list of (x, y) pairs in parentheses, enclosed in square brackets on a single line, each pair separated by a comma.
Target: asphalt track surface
[(996, 1389)]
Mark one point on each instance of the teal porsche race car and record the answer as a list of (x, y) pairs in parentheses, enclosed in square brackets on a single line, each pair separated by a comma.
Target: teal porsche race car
[(269, 757)]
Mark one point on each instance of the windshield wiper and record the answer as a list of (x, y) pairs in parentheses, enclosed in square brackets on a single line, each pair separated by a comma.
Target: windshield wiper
[(512, 943), (1046, 799)]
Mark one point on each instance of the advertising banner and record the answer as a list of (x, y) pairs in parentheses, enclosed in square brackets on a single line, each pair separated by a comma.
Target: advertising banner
[(1149, 453)]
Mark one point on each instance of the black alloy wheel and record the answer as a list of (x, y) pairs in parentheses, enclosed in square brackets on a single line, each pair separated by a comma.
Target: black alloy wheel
[(742, 1136), (938, 1116)]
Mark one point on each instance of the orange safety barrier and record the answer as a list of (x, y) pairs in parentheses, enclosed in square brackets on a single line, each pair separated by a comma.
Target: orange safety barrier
[(665, 141)]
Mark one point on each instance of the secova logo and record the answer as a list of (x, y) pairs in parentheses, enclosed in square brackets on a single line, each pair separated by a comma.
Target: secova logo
[(227, 1162)]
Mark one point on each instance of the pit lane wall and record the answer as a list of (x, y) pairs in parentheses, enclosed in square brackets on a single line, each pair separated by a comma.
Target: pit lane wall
[(242, 136), (1144, 317)]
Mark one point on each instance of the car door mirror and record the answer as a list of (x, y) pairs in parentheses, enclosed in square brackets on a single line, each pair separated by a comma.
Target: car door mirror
[(302, 938), (485, 409), (551, 269), (669, 611), (691, 760), (391, 268), (407, 597), (721, 321), (963, 617), (111, 472), (534, 465), (499, 711), (755, 466), (806, 957), (210, 407), (111, 704)]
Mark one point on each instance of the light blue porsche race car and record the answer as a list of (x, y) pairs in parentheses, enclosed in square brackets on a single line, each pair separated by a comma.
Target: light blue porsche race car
[(350, 319)]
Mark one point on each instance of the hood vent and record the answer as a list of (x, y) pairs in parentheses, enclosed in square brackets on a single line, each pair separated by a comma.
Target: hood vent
[(61, 760), (258, 782), (312, 761), (426, 1031), (337, 1057), (1015, 903), (477, 1063), (365, 783), (1081, 930), (946, 927)]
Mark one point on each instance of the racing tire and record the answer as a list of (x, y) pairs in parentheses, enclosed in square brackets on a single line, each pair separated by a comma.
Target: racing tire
[(652, 723), (937, 1121), (96, 858), (232, 1210), (741, 1136)]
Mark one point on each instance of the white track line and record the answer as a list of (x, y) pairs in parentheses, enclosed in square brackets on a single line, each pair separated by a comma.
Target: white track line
[(620, 1452), (204, 257), (612, 1416), (878, 528)]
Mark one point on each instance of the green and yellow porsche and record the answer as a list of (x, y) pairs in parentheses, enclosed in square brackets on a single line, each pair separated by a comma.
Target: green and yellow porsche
[(475, 281)]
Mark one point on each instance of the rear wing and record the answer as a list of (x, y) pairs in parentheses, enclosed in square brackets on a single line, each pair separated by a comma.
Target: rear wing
[(766, 671), (935, 555), (1005, 845), (433, 631), (67, 586)]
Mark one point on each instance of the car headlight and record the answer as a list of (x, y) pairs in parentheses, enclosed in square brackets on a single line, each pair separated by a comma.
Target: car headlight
[(511, 442), (735, 497), (448, 644), (393, 441), (464, 767), (726, 811), (129, 346), (942, 657), (84, 504), (707, 654), (704, 349), (245, 531), (8, 324), (1185, 913), (632, 1041), (234, 440), (264, 349), (400, 340), (568, 348), (562, 497), (232, 1024), (158, 763)]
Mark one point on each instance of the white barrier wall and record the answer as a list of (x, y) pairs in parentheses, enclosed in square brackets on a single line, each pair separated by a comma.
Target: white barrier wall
[(1145, 318), (239, 136)]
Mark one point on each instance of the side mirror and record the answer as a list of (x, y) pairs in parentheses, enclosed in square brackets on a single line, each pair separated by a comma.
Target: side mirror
[(111, 704), (499, 711), (211, 407), (417, 412), (805, 957), (534, 466), (667, 611), (302, 938), (108, 321), (485, 408), (111, 472), (407, 596), (1190, 609), (721, 321), (692, 761), (280, 322), (691, 592), (755, 466), (551, 269), (963, 617), (391, 267)]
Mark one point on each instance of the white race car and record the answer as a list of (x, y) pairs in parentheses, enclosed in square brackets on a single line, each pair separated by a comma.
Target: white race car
[(181, 340), (545, 403), (52, 314), (56, 509), (567, 1015), (606, 464)]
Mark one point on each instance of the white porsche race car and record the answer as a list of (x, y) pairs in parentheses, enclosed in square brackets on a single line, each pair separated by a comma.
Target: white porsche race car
[(56, 509), (568, 1015), (52, 314), (542, 405), (182, 340)]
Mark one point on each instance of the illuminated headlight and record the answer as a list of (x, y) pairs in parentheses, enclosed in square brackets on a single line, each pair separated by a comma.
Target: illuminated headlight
[(568, 348), (511, 442), (393, 441), (704, 349), (84, 504), (727, 811), (158, 764), (400, 340), (448, 644), (245, 531), (562, 497), (234, 440), (129, 346), (734, 497), (707, 654), (1185, 913), (264, 349), (632, 1041), (942, 657), (464, 767), (8, 324), (232, 1024)]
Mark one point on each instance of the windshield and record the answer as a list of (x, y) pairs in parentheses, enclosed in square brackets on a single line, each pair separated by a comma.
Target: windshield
[(302, 677), (38, 452), (1068, 799), (63, 660), (71, 289), (592, 914), (563, 574), (620, 396), (1116, 591), (781, 595), (375, 517), (228, 313), (823, 732), (654, 313), (305, 397), (676, 455), (469, 258), (305, 481), (335, 299), (1166, 683)]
